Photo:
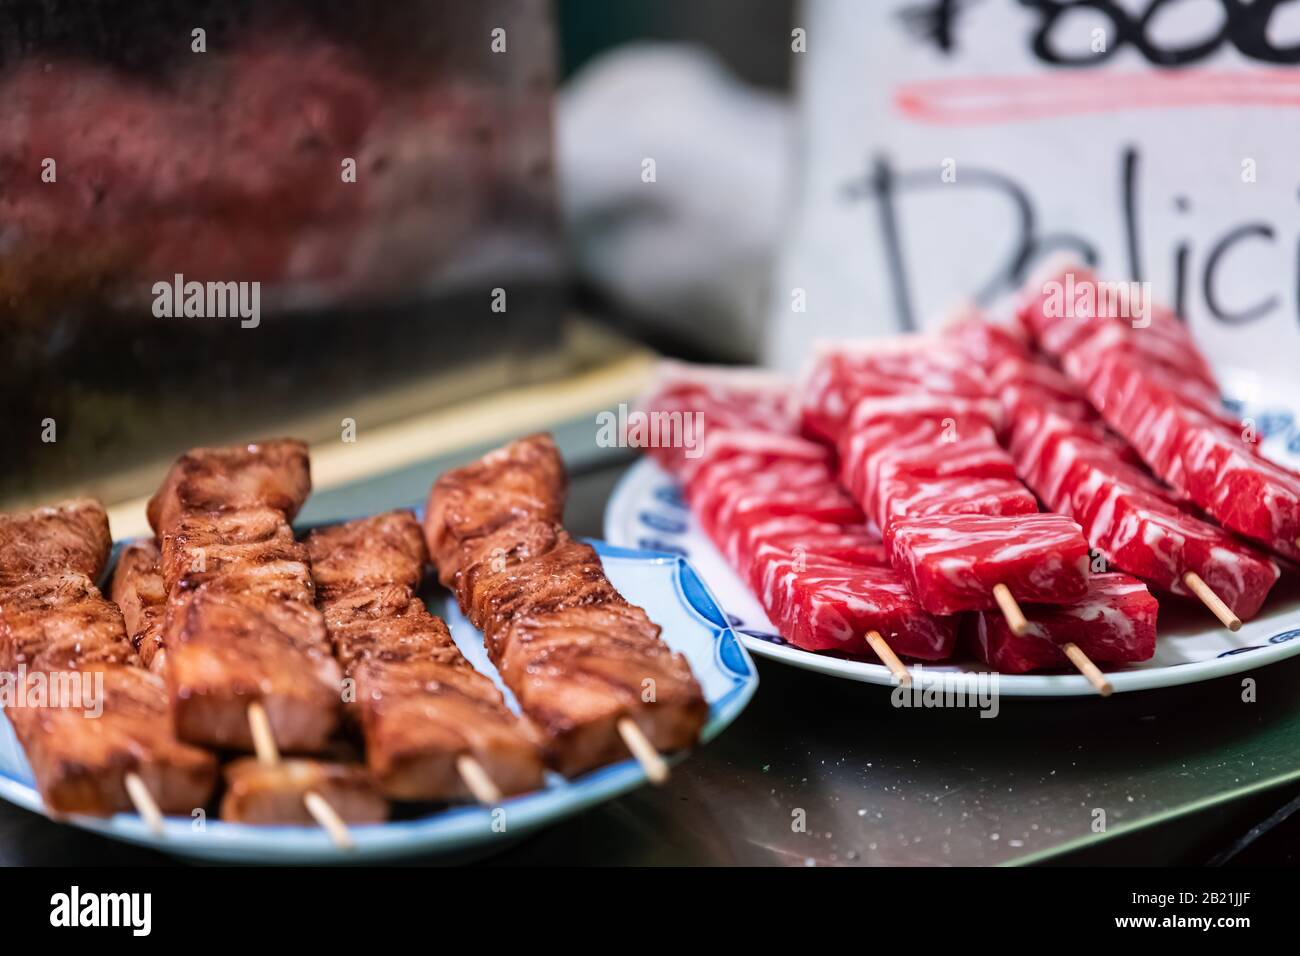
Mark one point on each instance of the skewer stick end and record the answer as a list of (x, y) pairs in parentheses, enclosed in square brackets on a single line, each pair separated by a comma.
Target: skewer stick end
[(1088, 669), (889, 658), (144, 802), (1010, 609), (651, 761), (477, 781), (259, 725), (1212, 601), (329, 819)]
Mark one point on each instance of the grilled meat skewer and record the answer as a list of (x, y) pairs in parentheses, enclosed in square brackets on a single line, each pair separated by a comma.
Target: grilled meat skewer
[(421, 706), (139, 591), (579, 658), (241, 625), (53, 620)]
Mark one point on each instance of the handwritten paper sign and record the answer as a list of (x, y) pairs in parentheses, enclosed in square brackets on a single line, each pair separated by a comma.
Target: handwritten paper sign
[(951, 145)]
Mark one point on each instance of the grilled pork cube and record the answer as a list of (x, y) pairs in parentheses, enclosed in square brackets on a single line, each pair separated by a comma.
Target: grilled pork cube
[(522, 480), (71, 536), (203, 545), (226, 649), (58, 623), (407, 632), (577, 671), (498, 585), (270, 474), (383, 550), (80, 761), (139, 592), (419, 716), (274, 793)]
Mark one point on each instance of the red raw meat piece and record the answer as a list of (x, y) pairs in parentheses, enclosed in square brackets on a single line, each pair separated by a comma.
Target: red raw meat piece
[(899, 499), (1033, 442), (756, 448), (843, 374), (724, 463), (813, 540), (825, 503), (726, 398), (952, 562), (1125, 515), (829, 606), (921, 437), (1164, 343), (976, 457), (987, 343), (1202, 455), (717, 504), (1148, 410), (1114, 623), (1034, 382), (1092, 362), (1240, 489), (1029, 388)]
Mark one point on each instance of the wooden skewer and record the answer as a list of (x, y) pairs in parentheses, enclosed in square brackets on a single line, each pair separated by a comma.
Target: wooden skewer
[(328, 819), (1010, 609), (259, 725), (478, 782), (1088, 669), (268, 753), (144, 802), (651, 761), (1019, 625), (1212, 601), (889, 658)]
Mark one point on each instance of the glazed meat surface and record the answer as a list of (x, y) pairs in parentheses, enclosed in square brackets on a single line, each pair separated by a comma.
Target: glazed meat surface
[(419, 703), (139, 591), (578, 657), (270, 474), (240, 624), (524, 480), (60, 622), (384, 550), (70, 537), (99, 717), (275, 793), (80, 762)]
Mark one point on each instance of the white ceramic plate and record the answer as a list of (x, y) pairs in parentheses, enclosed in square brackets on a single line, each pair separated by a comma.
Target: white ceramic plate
[(647, 511), (664, 584)]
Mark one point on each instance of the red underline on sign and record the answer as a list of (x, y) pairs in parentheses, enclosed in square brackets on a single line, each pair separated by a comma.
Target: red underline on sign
[(980, 100)]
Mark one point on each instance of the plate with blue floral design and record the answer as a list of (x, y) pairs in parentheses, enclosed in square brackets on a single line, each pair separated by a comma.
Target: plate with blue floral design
[(647, 511), (663, 583)]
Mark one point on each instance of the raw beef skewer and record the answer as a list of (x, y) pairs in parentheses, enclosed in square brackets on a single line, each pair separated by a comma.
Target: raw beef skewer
[(1130, 518), (770, 502), (925, 463), (1153, 387), (1115, 623)]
